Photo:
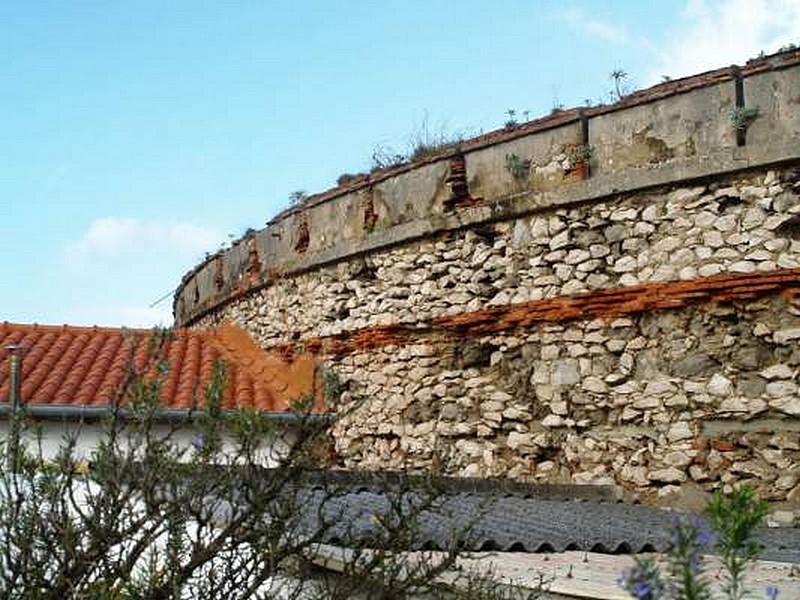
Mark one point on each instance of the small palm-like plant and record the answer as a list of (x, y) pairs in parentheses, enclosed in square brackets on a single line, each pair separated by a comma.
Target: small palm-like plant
[(618, 76)]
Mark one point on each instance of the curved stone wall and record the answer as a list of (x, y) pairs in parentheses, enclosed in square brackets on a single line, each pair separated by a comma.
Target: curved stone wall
[(600, 349), (637, 327), (734, 225), (674, 132), (656, 402)]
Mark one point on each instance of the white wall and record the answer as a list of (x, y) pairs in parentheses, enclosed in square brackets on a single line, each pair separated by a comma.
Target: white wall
[(53, 435)]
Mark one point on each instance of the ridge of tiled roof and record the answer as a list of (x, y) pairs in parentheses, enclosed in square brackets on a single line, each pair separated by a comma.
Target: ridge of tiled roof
[(65, 365), (286, 376)]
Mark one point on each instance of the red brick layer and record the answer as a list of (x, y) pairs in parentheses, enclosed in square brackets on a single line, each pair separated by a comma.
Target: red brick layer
[(606, 303)]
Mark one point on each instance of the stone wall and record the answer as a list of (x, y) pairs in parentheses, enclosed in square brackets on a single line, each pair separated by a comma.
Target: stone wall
[(673, 132), (694, 395), (737, 224), (637, 328), (623, 401)]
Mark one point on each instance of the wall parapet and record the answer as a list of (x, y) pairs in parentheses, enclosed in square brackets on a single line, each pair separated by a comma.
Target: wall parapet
[(675, 132)]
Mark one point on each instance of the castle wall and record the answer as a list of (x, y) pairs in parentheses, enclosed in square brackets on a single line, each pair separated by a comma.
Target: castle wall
[(656, 403), (734, 225), (699, 391), (677, 131), (637, 327)]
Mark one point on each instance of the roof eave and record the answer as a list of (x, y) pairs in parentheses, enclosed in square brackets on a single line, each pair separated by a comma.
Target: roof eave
[(73, 413)]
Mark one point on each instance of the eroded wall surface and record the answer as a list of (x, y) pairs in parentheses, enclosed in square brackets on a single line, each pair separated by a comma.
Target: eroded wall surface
[(651, 342), (634, 324), (673, 132)]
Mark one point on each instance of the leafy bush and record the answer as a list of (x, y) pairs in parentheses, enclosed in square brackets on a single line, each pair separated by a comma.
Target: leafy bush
[(148, 516), (732, 520)]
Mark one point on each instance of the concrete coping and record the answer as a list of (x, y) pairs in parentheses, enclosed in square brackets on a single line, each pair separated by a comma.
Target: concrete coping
[(408, 203)]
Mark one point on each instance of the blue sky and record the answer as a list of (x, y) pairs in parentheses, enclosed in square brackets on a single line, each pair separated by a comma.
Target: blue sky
[(136, 136)]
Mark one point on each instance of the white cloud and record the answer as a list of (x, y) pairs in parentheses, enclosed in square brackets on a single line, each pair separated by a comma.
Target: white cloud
[(143, 316), (121, 315), (111, 239), (119, 267), (595, 27), (715, 33)]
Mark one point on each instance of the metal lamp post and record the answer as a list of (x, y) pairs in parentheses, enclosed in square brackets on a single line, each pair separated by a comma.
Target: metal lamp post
[(15, 399)]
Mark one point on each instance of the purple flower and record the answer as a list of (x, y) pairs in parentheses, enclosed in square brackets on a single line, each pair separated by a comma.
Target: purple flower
[(643, 581), (704, 536), (199, 440), (772, 592), (642, 590)]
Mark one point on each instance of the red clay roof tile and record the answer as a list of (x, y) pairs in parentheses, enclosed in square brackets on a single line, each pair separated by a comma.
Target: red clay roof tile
[(83, 366)]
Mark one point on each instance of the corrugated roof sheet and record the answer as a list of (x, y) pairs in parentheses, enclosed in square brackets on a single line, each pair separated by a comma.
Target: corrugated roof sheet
[(497, 519)]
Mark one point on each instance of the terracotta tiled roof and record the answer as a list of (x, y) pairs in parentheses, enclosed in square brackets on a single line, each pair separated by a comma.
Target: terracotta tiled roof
[(87, 366)]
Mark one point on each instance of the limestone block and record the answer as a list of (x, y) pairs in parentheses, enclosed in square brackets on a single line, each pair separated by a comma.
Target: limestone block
[(565, 372), (719, 385), (668, 475)]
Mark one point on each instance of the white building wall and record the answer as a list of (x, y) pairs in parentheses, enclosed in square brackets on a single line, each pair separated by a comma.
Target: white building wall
[(51, 435)]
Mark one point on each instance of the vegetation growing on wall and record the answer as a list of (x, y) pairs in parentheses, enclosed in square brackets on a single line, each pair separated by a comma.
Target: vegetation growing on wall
[(742, 116), (517, 167), (423, 143)]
